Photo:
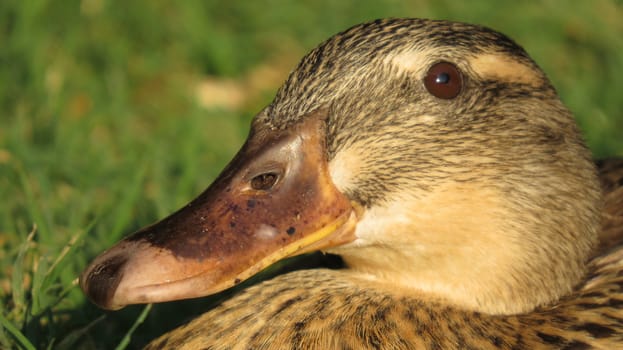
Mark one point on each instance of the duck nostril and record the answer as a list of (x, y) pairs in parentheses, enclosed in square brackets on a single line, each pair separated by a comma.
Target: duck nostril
[(264, 181)]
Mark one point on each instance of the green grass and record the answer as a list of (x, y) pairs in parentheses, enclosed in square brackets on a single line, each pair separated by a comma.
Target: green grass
[(101, 130)]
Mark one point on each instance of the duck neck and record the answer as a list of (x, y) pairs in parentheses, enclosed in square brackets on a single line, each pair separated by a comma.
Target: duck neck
[(478, 257)]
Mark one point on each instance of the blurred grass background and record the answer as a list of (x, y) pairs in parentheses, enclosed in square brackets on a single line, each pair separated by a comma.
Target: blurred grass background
[(115, 113)]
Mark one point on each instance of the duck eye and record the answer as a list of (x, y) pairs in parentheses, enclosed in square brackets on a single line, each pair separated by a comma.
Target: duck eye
[(264, 181), (443, 80)]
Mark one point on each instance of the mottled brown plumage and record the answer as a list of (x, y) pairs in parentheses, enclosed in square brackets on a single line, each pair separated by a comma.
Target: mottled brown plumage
[(321, 309), (611, 176), (479, 220)]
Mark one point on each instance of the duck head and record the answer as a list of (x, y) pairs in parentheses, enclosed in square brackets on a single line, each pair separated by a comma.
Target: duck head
[(435, 157)]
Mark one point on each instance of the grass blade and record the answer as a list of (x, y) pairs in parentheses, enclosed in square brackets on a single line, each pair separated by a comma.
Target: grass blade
[(70, 340), (126, 339), (25, 343), (19, 299)]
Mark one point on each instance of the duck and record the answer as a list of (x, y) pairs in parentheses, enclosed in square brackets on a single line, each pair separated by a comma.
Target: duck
[(436, 159)]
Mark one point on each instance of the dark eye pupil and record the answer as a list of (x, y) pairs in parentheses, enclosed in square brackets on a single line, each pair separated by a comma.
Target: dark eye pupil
[(444, 80), (263, 182)]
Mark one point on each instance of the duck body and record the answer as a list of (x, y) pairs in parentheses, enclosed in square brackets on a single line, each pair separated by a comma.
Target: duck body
[(320, 309), (437, 160)]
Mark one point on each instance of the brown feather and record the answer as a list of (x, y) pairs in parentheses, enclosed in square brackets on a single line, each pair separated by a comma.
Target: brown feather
[(324, 309), (611, 176), (496, 202)]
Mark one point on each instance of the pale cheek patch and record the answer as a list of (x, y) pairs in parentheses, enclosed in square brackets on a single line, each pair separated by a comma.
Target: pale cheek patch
[(344, 166), (503, 68), (379, 224)]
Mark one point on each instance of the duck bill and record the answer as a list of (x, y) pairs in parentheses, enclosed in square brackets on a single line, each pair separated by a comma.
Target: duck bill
[(274, 200)]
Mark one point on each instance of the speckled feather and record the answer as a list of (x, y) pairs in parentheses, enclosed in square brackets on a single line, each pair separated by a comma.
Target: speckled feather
[(320, 309), (508, 130)]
